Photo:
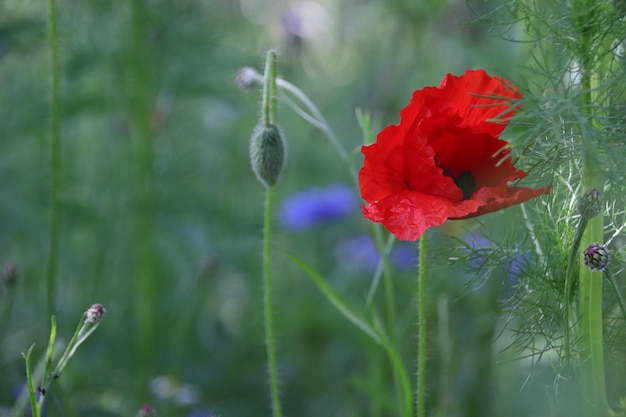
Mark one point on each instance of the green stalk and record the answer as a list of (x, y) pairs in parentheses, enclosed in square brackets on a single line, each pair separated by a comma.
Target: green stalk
[(421, 322), (570, 313), (267, 303), (55, 162), (618, 294), (590, 298), (141, 105), (269, 118), (268, 105)]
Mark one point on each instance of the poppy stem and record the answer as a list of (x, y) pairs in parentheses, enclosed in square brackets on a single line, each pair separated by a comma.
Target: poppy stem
[(421, 322), (267, 303)]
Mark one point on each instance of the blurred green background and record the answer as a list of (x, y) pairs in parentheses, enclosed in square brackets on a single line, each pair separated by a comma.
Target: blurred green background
[(161, 216)]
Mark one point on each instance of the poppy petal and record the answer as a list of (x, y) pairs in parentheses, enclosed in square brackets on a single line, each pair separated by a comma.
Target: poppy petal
[(444, 160)]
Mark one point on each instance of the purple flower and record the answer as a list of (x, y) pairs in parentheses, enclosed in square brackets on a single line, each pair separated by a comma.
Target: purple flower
[(317, 205), (479, 245), (360, 253), (404, 257), (515, 266)]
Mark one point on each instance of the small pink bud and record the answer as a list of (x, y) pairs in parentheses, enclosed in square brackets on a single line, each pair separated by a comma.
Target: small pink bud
[(146, 410), (95, 313)]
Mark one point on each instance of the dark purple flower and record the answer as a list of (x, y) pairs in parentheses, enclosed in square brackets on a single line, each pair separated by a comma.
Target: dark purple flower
[(317, 205), (596, 257)]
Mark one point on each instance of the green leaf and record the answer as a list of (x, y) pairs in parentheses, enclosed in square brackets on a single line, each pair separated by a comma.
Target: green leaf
[(31, 384), (377, 335), (336, 300)]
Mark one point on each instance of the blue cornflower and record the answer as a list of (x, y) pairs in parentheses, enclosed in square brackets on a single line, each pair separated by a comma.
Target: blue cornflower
[(360, 252), (317, 205), (479, 245), (515, 266), (404, 256)]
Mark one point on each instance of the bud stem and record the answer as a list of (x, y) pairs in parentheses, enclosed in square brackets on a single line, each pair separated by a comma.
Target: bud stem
[(267, 303), (269, 89)]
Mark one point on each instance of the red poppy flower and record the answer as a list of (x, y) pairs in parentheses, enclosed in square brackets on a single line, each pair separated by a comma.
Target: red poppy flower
[(444, 160)]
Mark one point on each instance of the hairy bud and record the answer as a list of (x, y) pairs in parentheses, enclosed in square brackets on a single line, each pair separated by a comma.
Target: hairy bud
[(267, 153), (596, 257)]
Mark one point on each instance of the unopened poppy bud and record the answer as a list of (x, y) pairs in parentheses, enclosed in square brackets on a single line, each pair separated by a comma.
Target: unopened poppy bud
[(596, 257), (95, 313), (247, 78), (267, 153), (589, 204)]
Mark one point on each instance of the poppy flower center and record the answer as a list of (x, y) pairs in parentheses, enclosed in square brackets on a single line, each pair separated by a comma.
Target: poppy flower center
[(465, 181)]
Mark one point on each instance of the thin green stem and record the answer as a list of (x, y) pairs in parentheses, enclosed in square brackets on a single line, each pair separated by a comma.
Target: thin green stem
[(267, 303), (141, 102), (570, 314), (384, 248), (421, 322), (269, 89), (48, 362), (618, 293), (55, 162), (32, 393)]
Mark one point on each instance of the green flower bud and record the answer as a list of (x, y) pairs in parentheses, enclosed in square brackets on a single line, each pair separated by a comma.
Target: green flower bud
[(596, 257), (267, 153), (589, 204)]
